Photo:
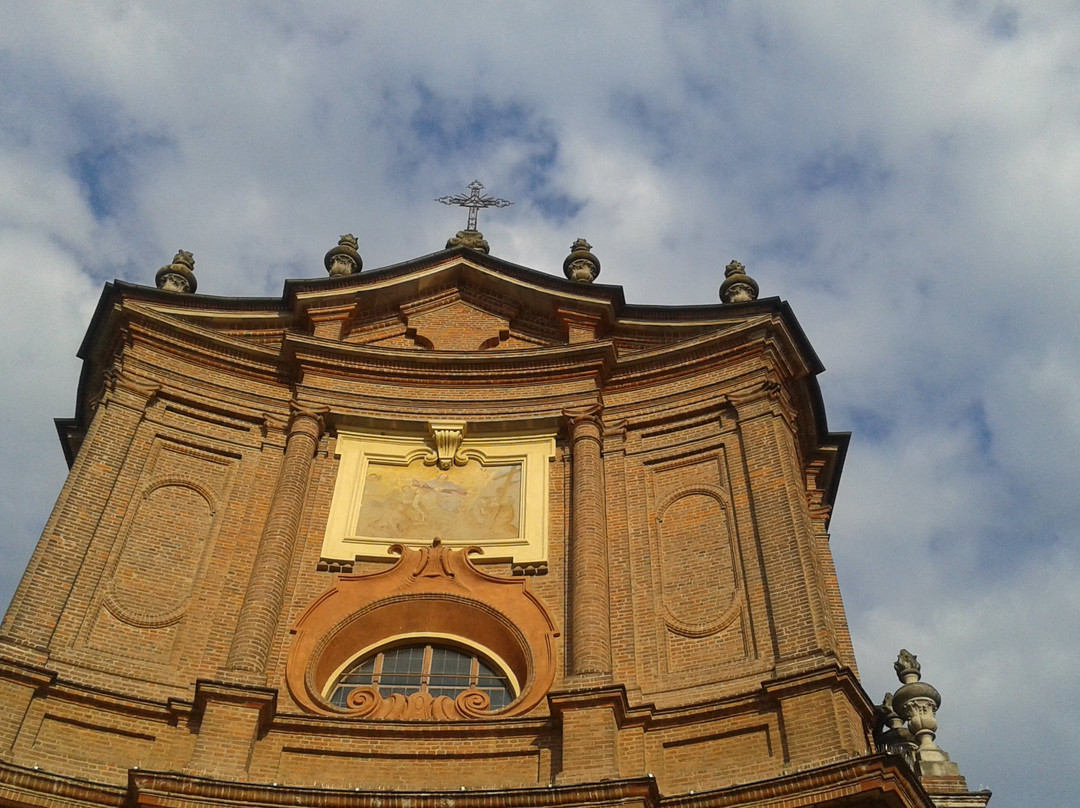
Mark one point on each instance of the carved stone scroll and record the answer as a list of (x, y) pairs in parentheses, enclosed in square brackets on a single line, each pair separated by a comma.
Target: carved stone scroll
[(447, 437)]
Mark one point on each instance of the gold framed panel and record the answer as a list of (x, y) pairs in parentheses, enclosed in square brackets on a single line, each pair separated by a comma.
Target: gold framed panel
[(487, 492)]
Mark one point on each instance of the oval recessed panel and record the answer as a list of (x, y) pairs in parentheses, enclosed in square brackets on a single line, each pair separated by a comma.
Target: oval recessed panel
[(156, 569), (696, 560)]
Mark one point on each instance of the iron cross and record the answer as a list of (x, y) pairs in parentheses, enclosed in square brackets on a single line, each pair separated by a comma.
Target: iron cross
[(474, 201)]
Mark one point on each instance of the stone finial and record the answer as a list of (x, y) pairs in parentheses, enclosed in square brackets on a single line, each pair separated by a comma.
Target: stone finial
[(907, 666), (738, 287), (344, 259), (179, 276), (473, 239), (581, 266), (917, 702), (890, 734)]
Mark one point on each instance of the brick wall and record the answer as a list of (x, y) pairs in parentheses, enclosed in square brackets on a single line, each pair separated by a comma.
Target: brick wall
[(728, 648)]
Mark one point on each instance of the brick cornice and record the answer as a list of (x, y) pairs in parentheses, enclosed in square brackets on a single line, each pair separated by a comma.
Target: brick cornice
[(393, 365), (262, 699), (877, 781), (27, 674), (828, 675), (761, 335), (20, 785), (174, 790)]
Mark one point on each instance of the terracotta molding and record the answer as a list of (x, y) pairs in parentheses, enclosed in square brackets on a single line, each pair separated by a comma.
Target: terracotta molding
[(446, 597)]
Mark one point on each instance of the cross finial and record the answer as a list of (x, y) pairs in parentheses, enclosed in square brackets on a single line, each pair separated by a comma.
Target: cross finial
[(474, 201)]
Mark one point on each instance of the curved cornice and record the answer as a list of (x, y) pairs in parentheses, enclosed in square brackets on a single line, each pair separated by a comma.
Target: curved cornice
[(488, 367), (277, 346)]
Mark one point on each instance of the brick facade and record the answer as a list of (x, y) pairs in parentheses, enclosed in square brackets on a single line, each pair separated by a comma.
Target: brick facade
[(698, 653)]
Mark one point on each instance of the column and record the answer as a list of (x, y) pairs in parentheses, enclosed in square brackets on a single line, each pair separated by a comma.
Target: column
[(266, 590), (590, 633)]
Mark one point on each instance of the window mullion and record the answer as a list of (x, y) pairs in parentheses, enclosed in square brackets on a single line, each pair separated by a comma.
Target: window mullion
[(425, 674), (376, 671)]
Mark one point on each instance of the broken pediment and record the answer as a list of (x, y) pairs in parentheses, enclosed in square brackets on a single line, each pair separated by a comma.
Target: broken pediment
[(457, 318), (455, 301), (449, 323)]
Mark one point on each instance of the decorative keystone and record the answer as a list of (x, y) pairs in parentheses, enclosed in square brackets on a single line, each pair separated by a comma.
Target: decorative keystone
[(344, 258), (581, 266), (447, 437), (179, 276), (738, 287)]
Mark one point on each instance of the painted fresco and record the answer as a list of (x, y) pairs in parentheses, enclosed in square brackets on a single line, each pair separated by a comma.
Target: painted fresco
[(418, 502)]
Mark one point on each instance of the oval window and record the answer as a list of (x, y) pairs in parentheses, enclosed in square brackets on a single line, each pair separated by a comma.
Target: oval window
[(430, 668)]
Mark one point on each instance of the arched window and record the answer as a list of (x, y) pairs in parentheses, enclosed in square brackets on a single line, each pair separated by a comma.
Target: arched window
[(463, 645), (435, 669)]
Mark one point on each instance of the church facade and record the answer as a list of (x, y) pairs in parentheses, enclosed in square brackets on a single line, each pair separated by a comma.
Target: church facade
[(453, 532)]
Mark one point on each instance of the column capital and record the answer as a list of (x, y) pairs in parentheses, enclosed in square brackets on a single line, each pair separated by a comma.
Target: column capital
[(586, 414), (307, 418), (765, 397), (127, 388)]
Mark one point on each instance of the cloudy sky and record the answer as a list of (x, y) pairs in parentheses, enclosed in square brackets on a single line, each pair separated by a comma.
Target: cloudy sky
[(905, 173)]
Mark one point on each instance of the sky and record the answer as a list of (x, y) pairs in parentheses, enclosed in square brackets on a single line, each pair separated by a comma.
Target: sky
[(906, 174)]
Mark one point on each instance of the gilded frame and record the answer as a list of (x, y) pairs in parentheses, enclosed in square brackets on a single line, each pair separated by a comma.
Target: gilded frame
[(502, 507)]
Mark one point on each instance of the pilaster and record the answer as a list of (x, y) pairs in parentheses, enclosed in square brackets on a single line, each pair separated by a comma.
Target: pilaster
[(590, 721), (261, 610), (230, 719), (590, 631), (42, 594), (18, 686), (800, 624)]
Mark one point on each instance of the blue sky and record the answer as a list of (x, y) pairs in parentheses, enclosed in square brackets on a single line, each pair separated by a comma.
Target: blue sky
[(906, 174)]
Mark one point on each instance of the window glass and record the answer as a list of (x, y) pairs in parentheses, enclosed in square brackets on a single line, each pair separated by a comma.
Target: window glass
[(439, 670)]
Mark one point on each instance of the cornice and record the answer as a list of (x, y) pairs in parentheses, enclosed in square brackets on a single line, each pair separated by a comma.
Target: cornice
[(75, 693), (882, 781), (831, 675), (170, 789), (879, 780), (691, 356), (20, 785), (480, 367), (297, 292), (198, 340)]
